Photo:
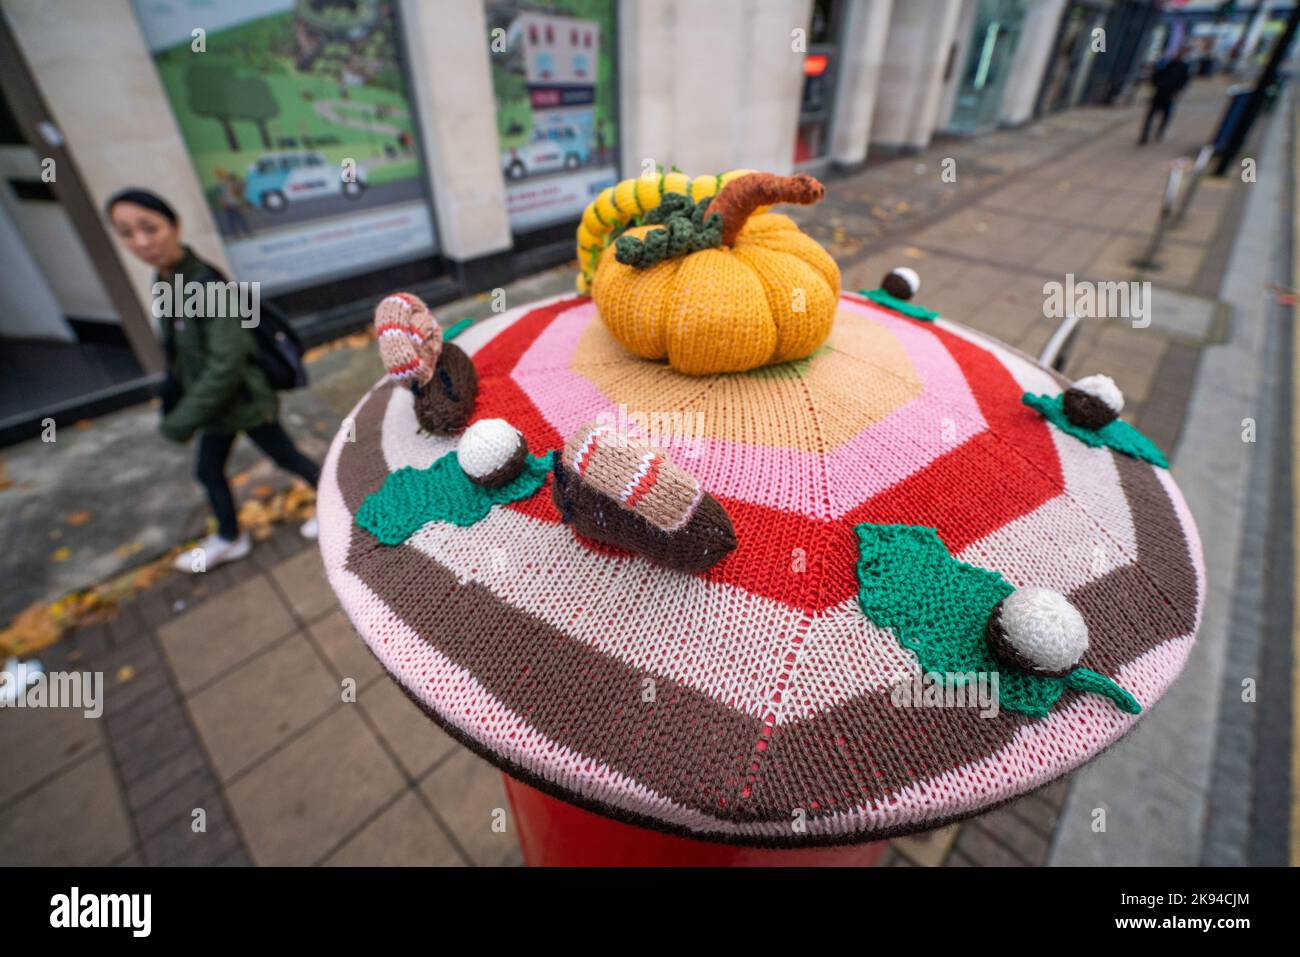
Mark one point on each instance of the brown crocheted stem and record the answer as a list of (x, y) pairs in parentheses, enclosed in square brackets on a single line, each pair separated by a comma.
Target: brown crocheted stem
[(739, 198)]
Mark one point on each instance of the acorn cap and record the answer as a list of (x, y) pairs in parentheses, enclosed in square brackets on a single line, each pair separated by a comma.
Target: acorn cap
[(1038, 630), (1093, 401), (409, 338), (492, 452), (901, 283)]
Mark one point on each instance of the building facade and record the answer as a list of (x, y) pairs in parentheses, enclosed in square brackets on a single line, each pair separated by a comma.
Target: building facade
[(332, 150)]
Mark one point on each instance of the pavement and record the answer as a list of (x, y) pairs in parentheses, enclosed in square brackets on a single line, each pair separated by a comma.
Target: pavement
[(241, 700)]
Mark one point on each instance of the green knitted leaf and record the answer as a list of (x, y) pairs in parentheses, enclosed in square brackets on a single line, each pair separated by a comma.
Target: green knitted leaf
[(455, 329), (937, 607), (882, 298), (410, 498), (1117, 434), (1084, 679), (685, 230)]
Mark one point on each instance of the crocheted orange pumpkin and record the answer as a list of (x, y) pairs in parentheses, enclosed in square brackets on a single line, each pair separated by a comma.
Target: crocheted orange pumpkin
[(714, 286)]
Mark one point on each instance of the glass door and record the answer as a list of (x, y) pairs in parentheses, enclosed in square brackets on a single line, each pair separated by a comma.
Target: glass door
[(992, 44)]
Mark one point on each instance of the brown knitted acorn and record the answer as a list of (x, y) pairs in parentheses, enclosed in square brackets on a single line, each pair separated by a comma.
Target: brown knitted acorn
[(492, 453), (440, 374), (620, 491), (1093, 402), (901, 283)]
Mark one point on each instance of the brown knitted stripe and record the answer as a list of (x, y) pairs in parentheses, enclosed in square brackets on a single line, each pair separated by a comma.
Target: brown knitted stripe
[(361, 467), (694, 750), (866, 749), (1137, 607), (683, 744)]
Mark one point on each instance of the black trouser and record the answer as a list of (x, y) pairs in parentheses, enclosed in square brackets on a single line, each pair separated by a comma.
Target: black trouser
[(1164, 106), (210, 469)]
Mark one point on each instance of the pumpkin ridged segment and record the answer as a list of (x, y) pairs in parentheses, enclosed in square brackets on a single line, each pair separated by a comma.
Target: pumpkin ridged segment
[(713, 295), (777, 232), (634, 307), (784, 278)]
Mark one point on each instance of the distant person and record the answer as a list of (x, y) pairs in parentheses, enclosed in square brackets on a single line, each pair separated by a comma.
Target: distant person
[(232, 201), (1168, 80), (214, 385)]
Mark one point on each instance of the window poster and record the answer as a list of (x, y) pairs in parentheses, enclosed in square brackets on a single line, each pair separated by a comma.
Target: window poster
[(300, 127), (553, 75)]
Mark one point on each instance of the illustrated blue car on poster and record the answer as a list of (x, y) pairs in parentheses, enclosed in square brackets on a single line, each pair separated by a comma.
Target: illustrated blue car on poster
[(552, 148), (277, 179)]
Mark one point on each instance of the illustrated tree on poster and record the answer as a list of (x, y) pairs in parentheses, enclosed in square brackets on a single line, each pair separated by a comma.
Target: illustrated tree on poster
[(208, 88), (253, 100)]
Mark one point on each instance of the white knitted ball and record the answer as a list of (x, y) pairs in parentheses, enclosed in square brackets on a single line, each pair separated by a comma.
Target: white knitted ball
[(486, 446), (1044, 628), (908, 276), (1102, 387)]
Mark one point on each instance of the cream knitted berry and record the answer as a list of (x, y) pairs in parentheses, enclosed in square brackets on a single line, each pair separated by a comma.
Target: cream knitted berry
[(1037, 629), (1092, 402), (901, 283), (492, 452)]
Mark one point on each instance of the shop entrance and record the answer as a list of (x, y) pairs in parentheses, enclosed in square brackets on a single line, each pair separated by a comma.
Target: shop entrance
[(74, 341), (989, 52)]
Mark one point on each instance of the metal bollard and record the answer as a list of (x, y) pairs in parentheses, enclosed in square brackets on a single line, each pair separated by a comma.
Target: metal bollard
[(1198, 170), (1148, 259), (1057, 351)]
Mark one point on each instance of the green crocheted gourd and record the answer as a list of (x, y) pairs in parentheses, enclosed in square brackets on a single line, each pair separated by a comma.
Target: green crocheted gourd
[(411, 498), (1117, 434), (937, 607)]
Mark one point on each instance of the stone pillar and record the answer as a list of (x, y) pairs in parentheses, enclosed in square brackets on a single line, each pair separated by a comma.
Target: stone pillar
[(1037, 38), (921, 34), (862, 53), (449, 63), (712, 86)]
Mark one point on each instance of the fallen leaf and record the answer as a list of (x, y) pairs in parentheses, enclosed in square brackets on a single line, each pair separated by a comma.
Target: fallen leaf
[(81, 425), (913, 253), (61, 554), (263, 492), (5, 481), (126, 551), (79, 518), (240, 480), (33, 629), (125, 674)]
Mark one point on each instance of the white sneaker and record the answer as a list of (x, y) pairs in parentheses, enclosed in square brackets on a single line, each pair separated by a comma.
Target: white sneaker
[(211, 552), (309, 529), (15, 678)]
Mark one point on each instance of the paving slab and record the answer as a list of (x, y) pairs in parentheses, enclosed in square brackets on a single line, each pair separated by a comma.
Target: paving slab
[(405, 834), (261, 704), (215, 636), (76, 819), (296, 807)]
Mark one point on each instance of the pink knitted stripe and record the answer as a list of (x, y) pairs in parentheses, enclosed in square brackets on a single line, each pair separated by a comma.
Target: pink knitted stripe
[(778, 477)]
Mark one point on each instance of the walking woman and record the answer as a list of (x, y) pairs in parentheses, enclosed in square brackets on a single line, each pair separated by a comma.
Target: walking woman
[(214, 384)]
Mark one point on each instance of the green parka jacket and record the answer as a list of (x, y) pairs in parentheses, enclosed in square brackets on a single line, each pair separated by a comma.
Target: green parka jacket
[(212, 360)]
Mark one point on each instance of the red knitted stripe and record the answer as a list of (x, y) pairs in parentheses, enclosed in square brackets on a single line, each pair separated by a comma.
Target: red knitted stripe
[(938, 495), (647, 482), (976, 488), (391, 327)]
